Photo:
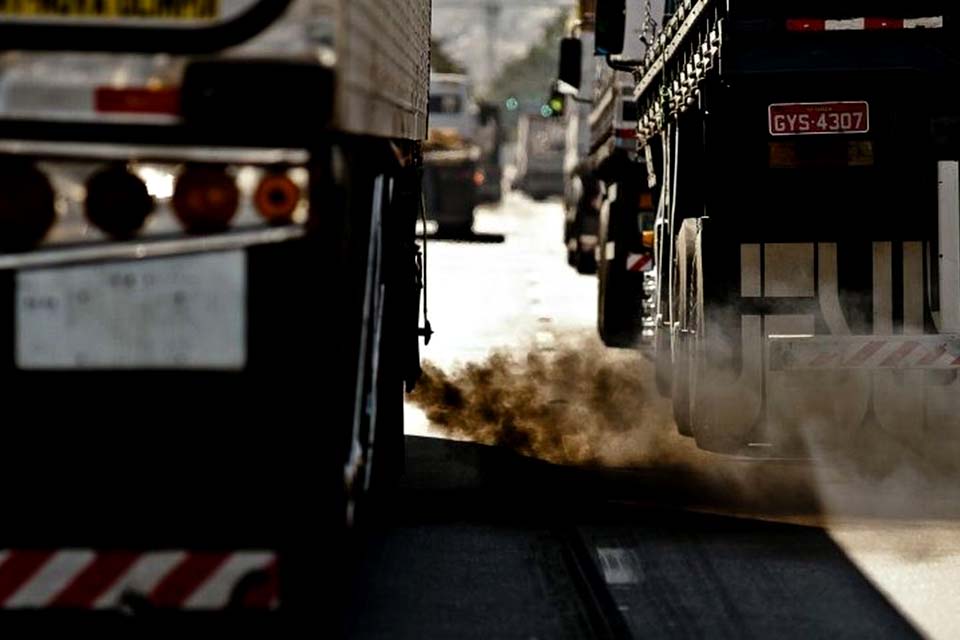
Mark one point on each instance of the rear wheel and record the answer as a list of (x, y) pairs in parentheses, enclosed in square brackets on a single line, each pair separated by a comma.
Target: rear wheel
[(726, 372), (684, 300)]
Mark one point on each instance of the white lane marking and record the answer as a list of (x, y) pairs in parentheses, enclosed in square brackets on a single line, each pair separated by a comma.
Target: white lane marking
[(619, 565)]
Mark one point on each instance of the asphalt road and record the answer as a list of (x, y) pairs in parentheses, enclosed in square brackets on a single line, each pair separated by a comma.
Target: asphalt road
[(593, 518)]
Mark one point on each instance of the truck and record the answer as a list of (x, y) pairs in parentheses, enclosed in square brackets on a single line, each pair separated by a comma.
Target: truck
[(616, 204), (452, 155), (211, 272), (581, 190), (540, 150), (803, 158)]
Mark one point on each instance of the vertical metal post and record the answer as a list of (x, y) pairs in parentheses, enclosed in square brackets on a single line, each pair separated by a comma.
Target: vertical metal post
[(949, 240), (493, 11)]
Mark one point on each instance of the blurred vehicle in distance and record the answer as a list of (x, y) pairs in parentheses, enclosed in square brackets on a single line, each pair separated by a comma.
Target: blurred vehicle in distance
[(541, 142), (453, 159)]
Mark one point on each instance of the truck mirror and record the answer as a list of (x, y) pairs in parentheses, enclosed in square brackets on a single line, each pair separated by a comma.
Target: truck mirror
[(611, 24), (571, 54)]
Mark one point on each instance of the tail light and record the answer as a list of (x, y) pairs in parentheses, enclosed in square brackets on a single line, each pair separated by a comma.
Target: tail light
[(205, 199), (118, 202), (155, 100), (277, 198), (479, 179), (645, 201), (27, 207)]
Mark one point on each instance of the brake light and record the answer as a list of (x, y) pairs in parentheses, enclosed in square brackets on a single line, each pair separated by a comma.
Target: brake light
[(117, 202), (882, 23), (27, 208), (164, 101), (277, 198), (806, 24), (205, 199)]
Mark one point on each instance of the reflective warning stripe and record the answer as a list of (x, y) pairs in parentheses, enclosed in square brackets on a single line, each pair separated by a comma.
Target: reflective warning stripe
[(639, 262), (864, 352), (88, 579), (864, 24)]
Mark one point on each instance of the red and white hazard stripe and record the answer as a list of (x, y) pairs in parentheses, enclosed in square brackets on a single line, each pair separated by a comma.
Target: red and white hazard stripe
[(88, 579), (863, 352), (864, 24), (639, 262)]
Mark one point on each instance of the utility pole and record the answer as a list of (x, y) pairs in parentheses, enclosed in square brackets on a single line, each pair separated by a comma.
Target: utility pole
[(493, 11)]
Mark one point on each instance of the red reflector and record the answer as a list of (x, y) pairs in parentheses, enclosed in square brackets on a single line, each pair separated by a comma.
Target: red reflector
[(806, 24), (627, 134), (140, 100), (882, 23)]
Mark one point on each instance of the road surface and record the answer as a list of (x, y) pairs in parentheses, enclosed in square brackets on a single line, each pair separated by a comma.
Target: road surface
[(593, 518)]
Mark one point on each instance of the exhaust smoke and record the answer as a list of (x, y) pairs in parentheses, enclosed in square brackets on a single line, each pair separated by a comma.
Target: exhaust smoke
[(584, 405)]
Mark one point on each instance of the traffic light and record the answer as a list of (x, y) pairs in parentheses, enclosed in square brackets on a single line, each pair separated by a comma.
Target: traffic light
[(555, 105)]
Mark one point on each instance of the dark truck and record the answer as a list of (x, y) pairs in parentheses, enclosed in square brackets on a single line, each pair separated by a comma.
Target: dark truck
[(804, 158), (207, 248), (452, 156)]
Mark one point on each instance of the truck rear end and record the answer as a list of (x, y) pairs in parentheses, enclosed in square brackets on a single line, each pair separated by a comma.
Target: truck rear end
[(808, 220), (541, 144), (452, 159), (210, 287)]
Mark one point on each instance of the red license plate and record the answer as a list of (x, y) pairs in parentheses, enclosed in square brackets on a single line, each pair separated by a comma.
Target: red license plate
[(819, 118)]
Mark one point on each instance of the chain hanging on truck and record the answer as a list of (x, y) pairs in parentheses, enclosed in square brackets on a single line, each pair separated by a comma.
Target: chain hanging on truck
[(426, 331)]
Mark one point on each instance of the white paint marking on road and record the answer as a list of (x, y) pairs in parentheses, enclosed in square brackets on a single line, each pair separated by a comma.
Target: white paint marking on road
[(619, 565)]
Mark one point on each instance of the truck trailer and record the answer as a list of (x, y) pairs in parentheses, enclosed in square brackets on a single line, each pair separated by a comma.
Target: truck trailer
[(211, 277), (803, 156)]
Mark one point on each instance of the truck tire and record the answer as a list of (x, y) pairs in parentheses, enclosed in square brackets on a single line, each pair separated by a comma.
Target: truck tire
[(684, 298), (722, 400), (586, 260)]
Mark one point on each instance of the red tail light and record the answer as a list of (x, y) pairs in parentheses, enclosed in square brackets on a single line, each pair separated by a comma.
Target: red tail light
[(118, 202), (165, 101), (806, 24), (646, 201), (27, 208), (277, 198), (882, 23), (205, 199)]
